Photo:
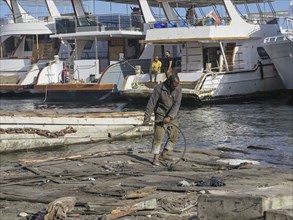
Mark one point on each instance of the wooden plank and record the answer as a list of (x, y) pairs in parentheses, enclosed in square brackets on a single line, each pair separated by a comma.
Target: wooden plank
[(22, 198), (146, 191), (73, 156)]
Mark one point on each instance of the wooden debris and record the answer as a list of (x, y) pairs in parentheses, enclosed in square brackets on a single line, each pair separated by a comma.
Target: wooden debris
[(258, 148), (146, 191), (73, 156), (227, 149), (119, 214), (148, 204)]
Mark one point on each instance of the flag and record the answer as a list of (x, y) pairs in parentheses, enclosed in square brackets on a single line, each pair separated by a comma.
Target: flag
[(213, 15)]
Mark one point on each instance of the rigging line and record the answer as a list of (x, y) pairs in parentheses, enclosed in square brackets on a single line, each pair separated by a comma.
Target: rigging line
[(126, 61)]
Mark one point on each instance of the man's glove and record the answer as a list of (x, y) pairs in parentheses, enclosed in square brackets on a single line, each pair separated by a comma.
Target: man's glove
[(167, 120)]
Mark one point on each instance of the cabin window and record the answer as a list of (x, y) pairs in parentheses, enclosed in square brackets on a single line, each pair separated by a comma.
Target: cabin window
[(28, 45), (262, 53), (88, 45), (211, 58), (65, 25)]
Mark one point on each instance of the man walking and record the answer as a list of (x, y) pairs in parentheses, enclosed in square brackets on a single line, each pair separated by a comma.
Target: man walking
[(165, 102)]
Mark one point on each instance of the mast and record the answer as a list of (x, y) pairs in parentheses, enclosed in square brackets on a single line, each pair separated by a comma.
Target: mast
[(8, 2), (53, 11), (19, 14), (146, 11), (78, 8)]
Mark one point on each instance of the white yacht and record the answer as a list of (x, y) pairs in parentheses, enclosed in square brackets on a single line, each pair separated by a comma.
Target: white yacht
[(73, 49), (280, 50), (26, 46), (220, 56), (111, 38)]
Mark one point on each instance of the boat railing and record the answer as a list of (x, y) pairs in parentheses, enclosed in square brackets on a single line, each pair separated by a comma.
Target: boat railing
[(27, 18), (112, 22), (289, 25), (260, 18), (206, 21), (120, 22), (212, 19), (89, 55)]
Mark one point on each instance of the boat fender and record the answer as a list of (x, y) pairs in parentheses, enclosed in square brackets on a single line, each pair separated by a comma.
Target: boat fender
[(65, 75), (261, 69)]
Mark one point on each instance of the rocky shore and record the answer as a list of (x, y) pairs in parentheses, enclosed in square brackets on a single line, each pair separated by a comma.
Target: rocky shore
[(122, 184)]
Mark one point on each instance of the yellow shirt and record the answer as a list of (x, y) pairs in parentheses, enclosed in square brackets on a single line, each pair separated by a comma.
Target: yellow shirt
[(156, 65)]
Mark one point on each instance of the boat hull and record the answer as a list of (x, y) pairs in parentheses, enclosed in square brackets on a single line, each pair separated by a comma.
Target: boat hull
[(83, 92), (263, 80), (280, 50), (15, 90), (39, 130)]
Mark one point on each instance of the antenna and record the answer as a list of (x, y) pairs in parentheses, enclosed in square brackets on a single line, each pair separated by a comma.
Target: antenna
[(290, 9)]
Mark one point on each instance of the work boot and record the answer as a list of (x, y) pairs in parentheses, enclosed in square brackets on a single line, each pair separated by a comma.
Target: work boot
[(165, 155), (156, 160)]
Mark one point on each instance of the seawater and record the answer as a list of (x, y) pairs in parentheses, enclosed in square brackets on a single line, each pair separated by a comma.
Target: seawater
[(263, 123)]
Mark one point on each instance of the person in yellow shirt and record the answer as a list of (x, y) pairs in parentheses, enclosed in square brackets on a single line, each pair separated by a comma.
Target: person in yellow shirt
[(156, 68)]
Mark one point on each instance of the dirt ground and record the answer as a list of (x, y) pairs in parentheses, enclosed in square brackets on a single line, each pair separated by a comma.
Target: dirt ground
[(107, 184)]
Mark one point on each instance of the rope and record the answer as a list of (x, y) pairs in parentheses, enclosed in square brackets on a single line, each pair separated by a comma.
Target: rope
[(133, 67), (46, 94)]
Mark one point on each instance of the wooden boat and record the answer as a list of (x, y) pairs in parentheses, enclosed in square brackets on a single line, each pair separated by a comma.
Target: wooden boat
[(30, 130)]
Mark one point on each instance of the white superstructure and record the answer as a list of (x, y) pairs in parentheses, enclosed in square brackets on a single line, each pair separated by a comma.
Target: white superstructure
[(70, 48), (26, 47), (219, 54)]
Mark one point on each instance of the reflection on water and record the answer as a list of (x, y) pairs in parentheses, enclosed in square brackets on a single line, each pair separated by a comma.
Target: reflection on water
[(39, 104), (267, 124)]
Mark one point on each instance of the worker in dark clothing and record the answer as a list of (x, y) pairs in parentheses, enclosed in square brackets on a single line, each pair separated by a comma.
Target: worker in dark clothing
[(167, 64), (165, 102)]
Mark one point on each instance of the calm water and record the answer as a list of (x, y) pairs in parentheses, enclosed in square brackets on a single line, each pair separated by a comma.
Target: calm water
[(267, 123)]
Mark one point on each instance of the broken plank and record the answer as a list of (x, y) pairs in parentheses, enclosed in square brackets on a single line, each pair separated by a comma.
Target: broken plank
[(73, 156), (139, 193)]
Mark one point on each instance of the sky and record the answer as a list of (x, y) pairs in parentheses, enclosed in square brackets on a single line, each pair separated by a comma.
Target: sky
[(106, 8)]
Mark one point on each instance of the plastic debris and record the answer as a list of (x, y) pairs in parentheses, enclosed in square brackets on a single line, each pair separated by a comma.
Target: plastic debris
[(23, 214), (183, 183), (214, 181), (41, 214)]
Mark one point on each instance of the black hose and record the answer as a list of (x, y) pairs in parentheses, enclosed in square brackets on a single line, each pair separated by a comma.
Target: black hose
[(110, 138), (170, 166)]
